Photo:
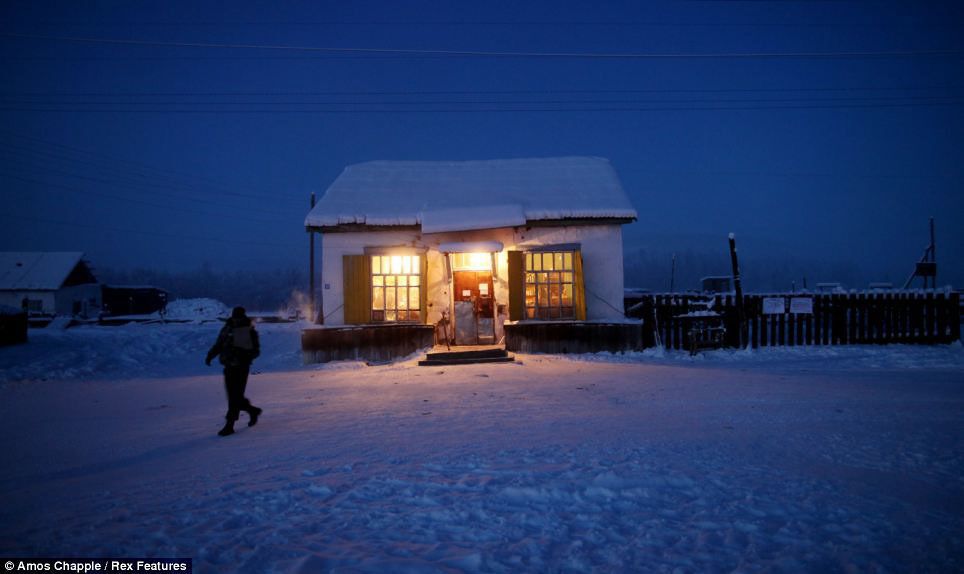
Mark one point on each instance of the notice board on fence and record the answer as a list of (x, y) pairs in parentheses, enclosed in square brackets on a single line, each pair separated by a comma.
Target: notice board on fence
[(801, 305), (774, 306)]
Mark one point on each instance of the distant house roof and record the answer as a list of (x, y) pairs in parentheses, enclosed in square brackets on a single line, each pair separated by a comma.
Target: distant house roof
[(461, 195), (41, 271)]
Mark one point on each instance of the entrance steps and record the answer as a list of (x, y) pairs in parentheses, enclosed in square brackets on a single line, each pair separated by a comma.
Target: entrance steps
[(470, 356)]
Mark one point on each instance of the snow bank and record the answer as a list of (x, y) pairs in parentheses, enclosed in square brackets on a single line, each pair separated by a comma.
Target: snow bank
[(732, 461), (196, 310)]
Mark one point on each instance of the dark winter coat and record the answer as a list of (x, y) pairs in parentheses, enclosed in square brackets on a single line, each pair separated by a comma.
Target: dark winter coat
[(237, 344)]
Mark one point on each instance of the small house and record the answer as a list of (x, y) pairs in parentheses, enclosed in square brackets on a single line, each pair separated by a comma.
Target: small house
[(414, 253), (49, 283)]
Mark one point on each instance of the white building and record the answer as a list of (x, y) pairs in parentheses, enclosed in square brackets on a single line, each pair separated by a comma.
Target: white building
[(481, 243), (49, 283)]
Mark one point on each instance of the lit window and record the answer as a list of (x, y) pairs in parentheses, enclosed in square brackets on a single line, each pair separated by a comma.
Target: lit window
[(472, 261), (396, 284), (549, 285)]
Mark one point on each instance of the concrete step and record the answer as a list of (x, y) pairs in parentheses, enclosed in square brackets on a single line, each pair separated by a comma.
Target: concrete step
[(480, 354), (433, 362)]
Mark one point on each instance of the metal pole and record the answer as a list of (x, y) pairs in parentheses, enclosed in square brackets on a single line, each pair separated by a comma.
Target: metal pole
[(933, 258), (311, 267), (739, 289)]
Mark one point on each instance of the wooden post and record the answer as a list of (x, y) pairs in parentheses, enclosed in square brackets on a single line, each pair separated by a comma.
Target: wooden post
[(672, 275), (738, 287), (311, 268)]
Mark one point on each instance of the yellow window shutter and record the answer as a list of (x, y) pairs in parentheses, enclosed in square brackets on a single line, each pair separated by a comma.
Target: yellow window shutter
[(357, 273), (516, 285), (423, 290), (579, 287)]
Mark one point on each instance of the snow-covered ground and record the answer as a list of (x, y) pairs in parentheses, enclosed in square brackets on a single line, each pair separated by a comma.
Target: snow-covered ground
[(780, 460)]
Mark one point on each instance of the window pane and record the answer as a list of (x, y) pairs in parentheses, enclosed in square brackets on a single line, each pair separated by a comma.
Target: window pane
[(378, 280), (559, 261), (553, 278), (543, 298), (402, 280), (543, 277), (389, 280), (378, 298), (530, 313), (566, 295), (567, 260), (554, 295), (406, 265), (396, 264), (530, 290), (402, 298), (416, 268), (390, 316), (414, 315), (390, 298), (403, 315), (413, 299), (537, 262), (530, 278), (567, 277), (531, 300), (414, 280), (547, 261), (378, 315), (376, 264), (528, 262)]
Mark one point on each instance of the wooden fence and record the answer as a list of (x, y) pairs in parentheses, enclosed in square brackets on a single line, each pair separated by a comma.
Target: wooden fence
[(910, 317)]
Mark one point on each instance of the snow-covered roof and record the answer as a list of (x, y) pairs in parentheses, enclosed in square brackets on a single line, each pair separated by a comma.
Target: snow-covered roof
[(462, 195), (35, 270)]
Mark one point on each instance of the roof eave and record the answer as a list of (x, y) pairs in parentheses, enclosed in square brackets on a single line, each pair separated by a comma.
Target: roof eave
[(362, 227)]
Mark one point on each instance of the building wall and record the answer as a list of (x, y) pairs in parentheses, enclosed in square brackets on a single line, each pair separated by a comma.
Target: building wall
[(601, 246), (15, 299), (86, 296)]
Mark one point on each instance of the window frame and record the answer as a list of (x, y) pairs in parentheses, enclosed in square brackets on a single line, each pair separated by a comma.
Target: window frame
[(400, 279), (546, 275)]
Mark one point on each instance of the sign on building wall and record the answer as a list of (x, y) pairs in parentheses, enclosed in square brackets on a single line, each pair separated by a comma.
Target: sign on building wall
[(774, 306), (801, 305)]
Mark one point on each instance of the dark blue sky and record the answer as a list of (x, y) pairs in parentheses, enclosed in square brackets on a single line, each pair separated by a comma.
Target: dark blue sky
[(816, 131)]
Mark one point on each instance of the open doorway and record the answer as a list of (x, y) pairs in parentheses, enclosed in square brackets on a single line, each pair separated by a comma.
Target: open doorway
[(473, 299)]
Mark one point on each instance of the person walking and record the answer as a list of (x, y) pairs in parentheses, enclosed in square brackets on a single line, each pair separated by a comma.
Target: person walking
[(236, 347)]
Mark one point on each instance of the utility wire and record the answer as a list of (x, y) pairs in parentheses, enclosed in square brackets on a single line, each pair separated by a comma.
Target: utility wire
[(86, 192), (127, 181), (949, 102), (143, 232), (492, 92), (170, 174), (858, 99), (498, 54)]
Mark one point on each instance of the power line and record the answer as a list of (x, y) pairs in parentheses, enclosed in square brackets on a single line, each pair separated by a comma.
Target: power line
[(69, 189), (120, 179), (493, 92), (142, 232), (499, 54), (170, 174), (858, 99), (949, 102)]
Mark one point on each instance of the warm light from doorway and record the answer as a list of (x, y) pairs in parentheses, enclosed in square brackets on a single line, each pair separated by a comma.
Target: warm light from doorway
[(472, 261)]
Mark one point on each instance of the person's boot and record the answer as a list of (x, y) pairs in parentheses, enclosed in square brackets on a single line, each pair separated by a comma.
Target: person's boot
[(228, 429), (254, 413)]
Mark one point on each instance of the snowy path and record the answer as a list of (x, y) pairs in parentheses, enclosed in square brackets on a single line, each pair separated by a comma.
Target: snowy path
[(554, 464)]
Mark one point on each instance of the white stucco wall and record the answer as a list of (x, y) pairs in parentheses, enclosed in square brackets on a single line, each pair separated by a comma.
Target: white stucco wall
[(602, 254), (15, 299)]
